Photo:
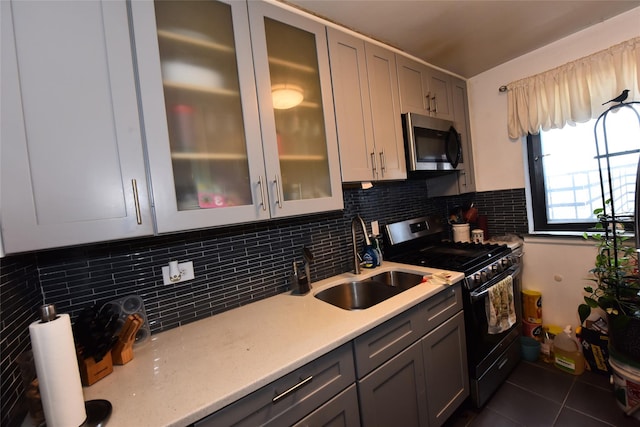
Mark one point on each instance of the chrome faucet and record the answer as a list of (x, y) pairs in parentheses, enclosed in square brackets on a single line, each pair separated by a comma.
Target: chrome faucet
[(356, 258)]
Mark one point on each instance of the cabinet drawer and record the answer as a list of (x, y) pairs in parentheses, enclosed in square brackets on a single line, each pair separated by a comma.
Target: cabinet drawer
[(341, 411), (441, 307), (375, 347), (291, 397)]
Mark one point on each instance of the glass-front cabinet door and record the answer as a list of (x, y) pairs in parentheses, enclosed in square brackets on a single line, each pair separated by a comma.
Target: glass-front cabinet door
[(222, 149), (201, 118), (296, 111)]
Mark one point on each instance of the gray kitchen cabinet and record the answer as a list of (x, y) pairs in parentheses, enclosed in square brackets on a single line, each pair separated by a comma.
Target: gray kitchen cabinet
[(409, 371), (380, 344), (296, 395), (462, 122), (72, 166), (394, 394), (367, 105), (440, 307), (341, 411), (424, 90), (445, 369), (462, 181), (222, 149), (412, 370)]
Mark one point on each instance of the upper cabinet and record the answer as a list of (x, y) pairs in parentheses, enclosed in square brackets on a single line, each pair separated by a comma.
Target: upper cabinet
[(72, 167), (237, 112), (424, 90), (462, 181), (365, 91), (461, 120), (296, 110)]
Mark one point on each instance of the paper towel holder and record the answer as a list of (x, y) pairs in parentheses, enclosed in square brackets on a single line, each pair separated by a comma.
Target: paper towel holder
[(97, 411)]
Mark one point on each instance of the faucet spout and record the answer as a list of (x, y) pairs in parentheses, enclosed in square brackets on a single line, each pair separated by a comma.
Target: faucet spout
[(355, 223)]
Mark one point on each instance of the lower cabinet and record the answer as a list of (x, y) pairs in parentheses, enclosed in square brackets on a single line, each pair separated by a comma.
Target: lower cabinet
[(444, 353), (424, 377), (294, 396), (409, 371), (341, 411), (394, 394)]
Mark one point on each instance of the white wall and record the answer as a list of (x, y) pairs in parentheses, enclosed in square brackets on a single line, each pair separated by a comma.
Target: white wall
[(558, 267)]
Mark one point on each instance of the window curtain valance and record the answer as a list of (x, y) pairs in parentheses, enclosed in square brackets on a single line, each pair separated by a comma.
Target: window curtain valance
[(574, 92)]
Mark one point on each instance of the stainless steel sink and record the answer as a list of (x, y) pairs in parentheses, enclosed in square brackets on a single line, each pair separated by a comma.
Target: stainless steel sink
[(361, 294)]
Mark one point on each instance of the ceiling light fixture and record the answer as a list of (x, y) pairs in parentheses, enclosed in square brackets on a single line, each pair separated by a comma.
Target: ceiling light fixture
[(286, 96)]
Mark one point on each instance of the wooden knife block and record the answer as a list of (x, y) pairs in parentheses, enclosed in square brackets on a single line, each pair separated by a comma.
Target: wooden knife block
[(92, 371), (122, 351)]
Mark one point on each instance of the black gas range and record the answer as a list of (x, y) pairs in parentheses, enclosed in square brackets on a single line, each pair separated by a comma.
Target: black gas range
[(491, 356), (419, 241)]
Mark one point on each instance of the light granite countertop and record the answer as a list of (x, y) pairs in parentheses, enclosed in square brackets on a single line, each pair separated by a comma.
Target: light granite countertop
[(184, 374)]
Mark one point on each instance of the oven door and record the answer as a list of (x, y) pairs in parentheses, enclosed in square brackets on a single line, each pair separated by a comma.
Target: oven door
[(485, 348)]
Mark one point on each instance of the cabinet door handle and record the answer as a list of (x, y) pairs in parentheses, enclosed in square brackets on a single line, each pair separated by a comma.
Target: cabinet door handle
[(435, 104), (383, 163), (428, 101), (262, 197), (287, 392), (136, 201), (374, 169), (276, 181)]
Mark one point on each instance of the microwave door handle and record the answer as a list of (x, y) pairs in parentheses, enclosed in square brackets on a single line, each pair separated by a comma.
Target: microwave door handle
[(453, 137)]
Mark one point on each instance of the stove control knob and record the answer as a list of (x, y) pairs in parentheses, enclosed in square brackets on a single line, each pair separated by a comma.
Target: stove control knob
[(477, 280), (507, 262), (484, 276), (496, 268)]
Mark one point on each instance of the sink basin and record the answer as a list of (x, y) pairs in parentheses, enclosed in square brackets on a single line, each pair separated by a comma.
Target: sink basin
[(361, 294)]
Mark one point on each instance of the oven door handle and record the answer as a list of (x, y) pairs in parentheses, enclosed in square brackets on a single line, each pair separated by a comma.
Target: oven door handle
[(480, 292)]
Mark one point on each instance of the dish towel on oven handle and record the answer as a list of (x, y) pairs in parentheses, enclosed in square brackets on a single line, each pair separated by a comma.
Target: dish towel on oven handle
[(500, 306)]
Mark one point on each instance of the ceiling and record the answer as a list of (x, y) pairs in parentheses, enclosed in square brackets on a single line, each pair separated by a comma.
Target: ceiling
[(466, 37)]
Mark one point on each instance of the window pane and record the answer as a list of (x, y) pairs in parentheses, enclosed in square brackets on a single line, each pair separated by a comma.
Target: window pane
[(565, 174), (571, 174)]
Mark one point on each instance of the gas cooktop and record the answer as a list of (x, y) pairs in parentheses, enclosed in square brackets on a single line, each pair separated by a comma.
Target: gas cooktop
[(418, 242)]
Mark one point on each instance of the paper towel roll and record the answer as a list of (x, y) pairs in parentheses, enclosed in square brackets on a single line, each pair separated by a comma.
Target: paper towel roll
[(58, 374)]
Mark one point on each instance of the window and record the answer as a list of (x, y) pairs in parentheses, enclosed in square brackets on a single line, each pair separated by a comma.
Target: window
[(564, 176)]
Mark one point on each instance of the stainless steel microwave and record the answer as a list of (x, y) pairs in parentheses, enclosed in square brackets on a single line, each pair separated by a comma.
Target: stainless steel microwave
[(432, 144)]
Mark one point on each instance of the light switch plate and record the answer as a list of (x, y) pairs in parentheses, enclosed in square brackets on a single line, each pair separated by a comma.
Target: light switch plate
[(186, 273)]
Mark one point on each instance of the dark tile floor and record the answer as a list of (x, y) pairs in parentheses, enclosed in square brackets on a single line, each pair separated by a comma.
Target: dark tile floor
[(540, 395)]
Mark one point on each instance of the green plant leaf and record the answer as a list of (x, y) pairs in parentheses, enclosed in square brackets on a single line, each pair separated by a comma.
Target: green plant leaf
[(583, 311), (591, 302)]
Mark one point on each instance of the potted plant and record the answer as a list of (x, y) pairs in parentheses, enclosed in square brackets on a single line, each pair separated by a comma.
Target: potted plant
[(616, 286)]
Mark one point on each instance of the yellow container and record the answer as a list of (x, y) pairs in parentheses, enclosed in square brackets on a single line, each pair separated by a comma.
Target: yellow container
[(532, 306)]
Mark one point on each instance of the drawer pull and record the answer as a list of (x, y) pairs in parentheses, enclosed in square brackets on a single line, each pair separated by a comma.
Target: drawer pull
[(292, 389), (504, 362)]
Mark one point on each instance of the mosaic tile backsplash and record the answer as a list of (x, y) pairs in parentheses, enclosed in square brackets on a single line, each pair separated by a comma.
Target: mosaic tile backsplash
[(233, 266)]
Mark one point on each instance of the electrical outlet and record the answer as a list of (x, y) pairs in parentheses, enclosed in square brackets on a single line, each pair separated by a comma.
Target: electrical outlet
[(186, 273)]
